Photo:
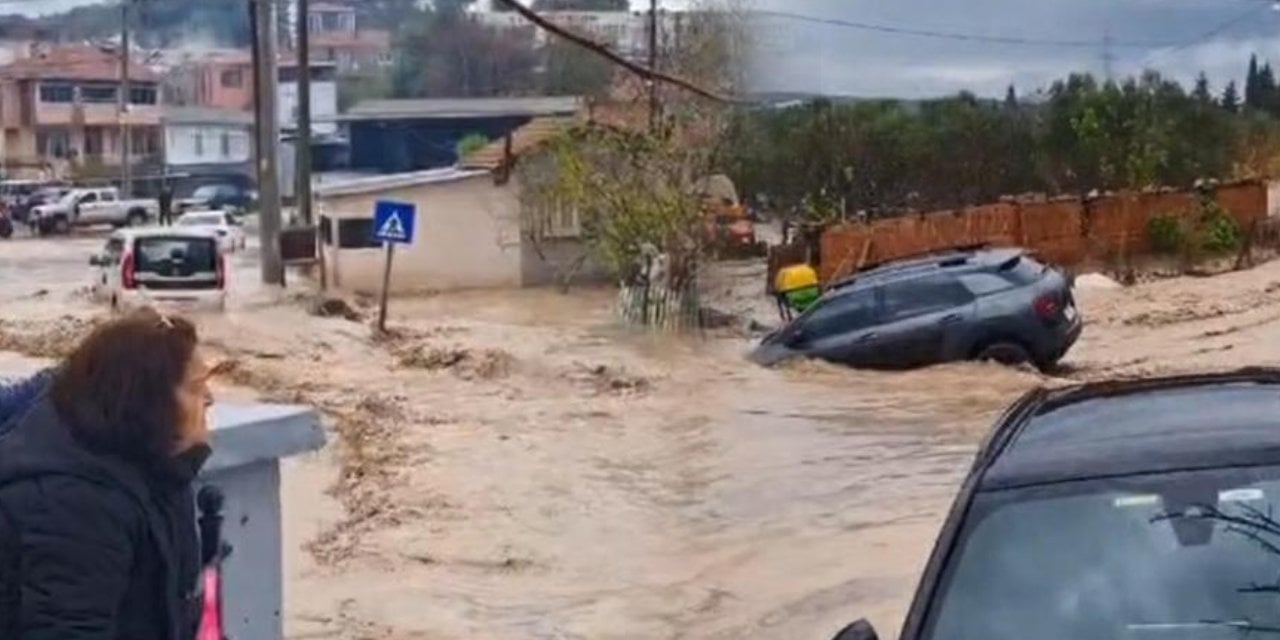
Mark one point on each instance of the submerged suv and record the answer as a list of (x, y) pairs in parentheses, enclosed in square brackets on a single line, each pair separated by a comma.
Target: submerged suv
[(1141, 509), (992, 304)]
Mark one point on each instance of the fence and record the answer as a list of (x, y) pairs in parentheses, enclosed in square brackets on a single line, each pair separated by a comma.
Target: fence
[(660, 308), (1066, 231)]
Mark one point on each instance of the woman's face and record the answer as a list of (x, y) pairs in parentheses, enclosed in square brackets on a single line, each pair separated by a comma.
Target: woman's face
[(194, 399)]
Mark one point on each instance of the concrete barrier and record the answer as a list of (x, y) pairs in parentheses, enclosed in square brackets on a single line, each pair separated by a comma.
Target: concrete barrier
[(249, 441)]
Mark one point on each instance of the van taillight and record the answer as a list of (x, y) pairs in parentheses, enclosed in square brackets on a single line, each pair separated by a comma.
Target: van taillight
[(222, 270), (1047, 307), (128, 279)]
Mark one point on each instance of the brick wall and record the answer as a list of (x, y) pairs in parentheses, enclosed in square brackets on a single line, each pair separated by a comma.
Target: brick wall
[(1064, 231)]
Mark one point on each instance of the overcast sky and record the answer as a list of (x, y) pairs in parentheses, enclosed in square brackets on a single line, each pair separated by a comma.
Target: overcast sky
[(797, 56)]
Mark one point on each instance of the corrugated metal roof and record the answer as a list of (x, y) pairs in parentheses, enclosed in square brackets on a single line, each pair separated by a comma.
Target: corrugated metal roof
[(426, 108), (374, 184)]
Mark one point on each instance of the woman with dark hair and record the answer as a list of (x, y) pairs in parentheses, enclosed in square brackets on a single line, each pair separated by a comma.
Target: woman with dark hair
[(97, 521)]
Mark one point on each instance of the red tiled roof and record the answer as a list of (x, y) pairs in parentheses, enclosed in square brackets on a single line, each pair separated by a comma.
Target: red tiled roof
[(75, 63)]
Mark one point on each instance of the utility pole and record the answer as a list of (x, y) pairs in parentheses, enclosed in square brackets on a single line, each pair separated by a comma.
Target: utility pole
[(268, 137), (303, 144), (122, 102), (654, 105)]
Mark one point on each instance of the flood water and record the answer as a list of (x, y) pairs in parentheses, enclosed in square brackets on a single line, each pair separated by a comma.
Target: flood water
[(513, 465)]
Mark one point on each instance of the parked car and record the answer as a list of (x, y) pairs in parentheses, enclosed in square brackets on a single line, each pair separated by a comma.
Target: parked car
[(226, 197), (87, 207), (153, 266), (13, 191), (227, 227), (21, 211), (990, 304), (1135, 509)]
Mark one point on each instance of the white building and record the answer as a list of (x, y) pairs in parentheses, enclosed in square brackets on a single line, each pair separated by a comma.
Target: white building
[(204, 138), (625, 32), (324, 97)]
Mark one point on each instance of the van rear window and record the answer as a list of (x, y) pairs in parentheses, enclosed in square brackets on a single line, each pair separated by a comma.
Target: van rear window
[(175, 256)]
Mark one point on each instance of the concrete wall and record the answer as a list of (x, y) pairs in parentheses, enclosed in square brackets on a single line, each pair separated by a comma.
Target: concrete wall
[(467, 236), (548, 264), (199, 144)]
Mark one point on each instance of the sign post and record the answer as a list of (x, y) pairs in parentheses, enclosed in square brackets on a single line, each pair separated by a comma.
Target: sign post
[(393, 223)]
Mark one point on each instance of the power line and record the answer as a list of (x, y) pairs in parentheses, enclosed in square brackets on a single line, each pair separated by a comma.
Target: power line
[(954, 35), (1216, 30)]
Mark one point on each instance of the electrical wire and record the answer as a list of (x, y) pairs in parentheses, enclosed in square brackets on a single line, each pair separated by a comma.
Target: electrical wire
[(951, 35), (1216, 30)]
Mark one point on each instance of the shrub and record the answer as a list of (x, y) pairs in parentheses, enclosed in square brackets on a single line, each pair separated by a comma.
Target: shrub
[(1167, 234), (1219, 232)]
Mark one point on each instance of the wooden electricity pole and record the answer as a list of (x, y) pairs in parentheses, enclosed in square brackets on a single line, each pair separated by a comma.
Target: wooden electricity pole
[(303, 144), (122, 102), (655, 106), (267, 128)]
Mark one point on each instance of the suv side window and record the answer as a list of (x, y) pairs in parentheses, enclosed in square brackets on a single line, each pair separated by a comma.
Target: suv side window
[(904, 300), (88, 198), (848, 312)]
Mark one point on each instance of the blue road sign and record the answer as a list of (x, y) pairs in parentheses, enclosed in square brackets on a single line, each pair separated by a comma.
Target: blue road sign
[(394, 221)]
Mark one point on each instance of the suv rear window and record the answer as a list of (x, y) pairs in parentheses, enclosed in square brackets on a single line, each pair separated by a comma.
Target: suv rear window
[(175, 256), (1022, 270)]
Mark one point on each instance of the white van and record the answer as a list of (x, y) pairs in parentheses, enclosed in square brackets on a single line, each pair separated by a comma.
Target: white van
[(161, 266)]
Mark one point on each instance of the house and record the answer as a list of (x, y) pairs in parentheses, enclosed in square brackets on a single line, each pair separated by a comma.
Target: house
[(223, 79), (336, 36), (61, 107), (472, 231), (406, 135), (205, 140)]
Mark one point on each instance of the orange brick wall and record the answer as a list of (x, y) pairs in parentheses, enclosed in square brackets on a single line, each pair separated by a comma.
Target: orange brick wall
[(1065, 231)]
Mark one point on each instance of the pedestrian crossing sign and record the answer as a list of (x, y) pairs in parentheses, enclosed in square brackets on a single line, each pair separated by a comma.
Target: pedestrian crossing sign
[(394, 221)]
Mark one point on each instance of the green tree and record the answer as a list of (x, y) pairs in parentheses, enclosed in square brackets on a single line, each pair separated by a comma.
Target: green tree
[(444, 52), (1201, 93), (572, 70), (1252, 90), (1230, 98)]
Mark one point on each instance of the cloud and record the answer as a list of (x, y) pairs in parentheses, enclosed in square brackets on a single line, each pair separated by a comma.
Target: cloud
[(1177, 37)]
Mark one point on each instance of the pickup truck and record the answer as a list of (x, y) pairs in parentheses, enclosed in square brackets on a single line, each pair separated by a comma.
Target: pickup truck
[(87, 207)]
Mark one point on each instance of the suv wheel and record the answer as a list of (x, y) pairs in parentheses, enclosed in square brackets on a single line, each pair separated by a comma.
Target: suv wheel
[(61, 225), (1006, 353), (137, 218)]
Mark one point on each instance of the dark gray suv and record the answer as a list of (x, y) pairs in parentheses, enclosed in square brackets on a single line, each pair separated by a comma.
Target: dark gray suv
[(992, 304)]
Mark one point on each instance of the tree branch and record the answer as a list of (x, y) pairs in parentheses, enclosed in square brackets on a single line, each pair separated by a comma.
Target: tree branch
[(604, 52)]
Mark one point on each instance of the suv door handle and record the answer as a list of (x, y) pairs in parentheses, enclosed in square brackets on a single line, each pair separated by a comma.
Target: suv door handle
[(951, 319), (868, 337)]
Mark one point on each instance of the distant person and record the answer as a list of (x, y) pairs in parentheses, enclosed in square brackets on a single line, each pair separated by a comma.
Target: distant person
[(166, 204), (97, 519)]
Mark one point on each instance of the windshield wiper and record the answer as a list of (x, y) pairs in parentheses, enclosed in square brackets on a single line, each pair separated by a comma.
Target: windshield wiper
[(1244, 626)]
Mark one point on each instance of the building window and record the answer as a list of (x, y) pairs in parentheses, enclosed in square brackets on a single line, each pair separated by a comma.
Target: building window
[(356, 233), (54, 143), (98, 94), (199, 144), (93, 145), (56, 93), (232, 78), (226, 144), (145, 141), (142, 95)]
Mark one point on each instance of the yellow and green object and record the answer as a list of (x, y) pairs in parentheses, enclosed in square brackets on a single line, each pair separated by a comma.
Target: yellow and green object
[(797, 284)]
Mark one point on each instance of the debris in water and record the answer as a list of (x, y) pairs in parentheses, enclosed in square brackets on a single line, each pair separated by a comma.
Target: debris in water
[(603, 379), (334, 308), (1096, 281), (468, 364)]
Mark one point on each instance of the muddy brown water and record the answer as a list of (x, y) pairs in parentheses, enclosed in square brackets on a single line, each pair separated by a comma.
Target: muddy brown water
[(539, 473)]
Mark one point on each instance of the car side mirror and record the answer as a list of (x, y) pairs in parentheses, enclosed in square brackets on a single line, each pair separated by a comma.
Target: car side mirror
[(860, 630)]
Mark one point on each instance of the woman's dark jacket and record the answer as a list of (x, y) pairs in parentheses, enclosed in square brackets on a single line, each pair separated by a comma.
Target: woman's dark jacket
[(91, 546)]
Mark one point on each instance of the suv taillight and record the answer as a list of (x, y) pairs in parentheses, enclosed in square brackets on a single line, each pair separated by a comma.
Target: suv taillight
[(128, 279), (222, 270), (1047, 307)]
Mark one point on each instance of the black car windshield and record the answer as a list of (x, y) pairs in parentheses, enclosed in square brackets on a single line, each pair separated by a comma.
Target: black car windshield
[(1175, 556)]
